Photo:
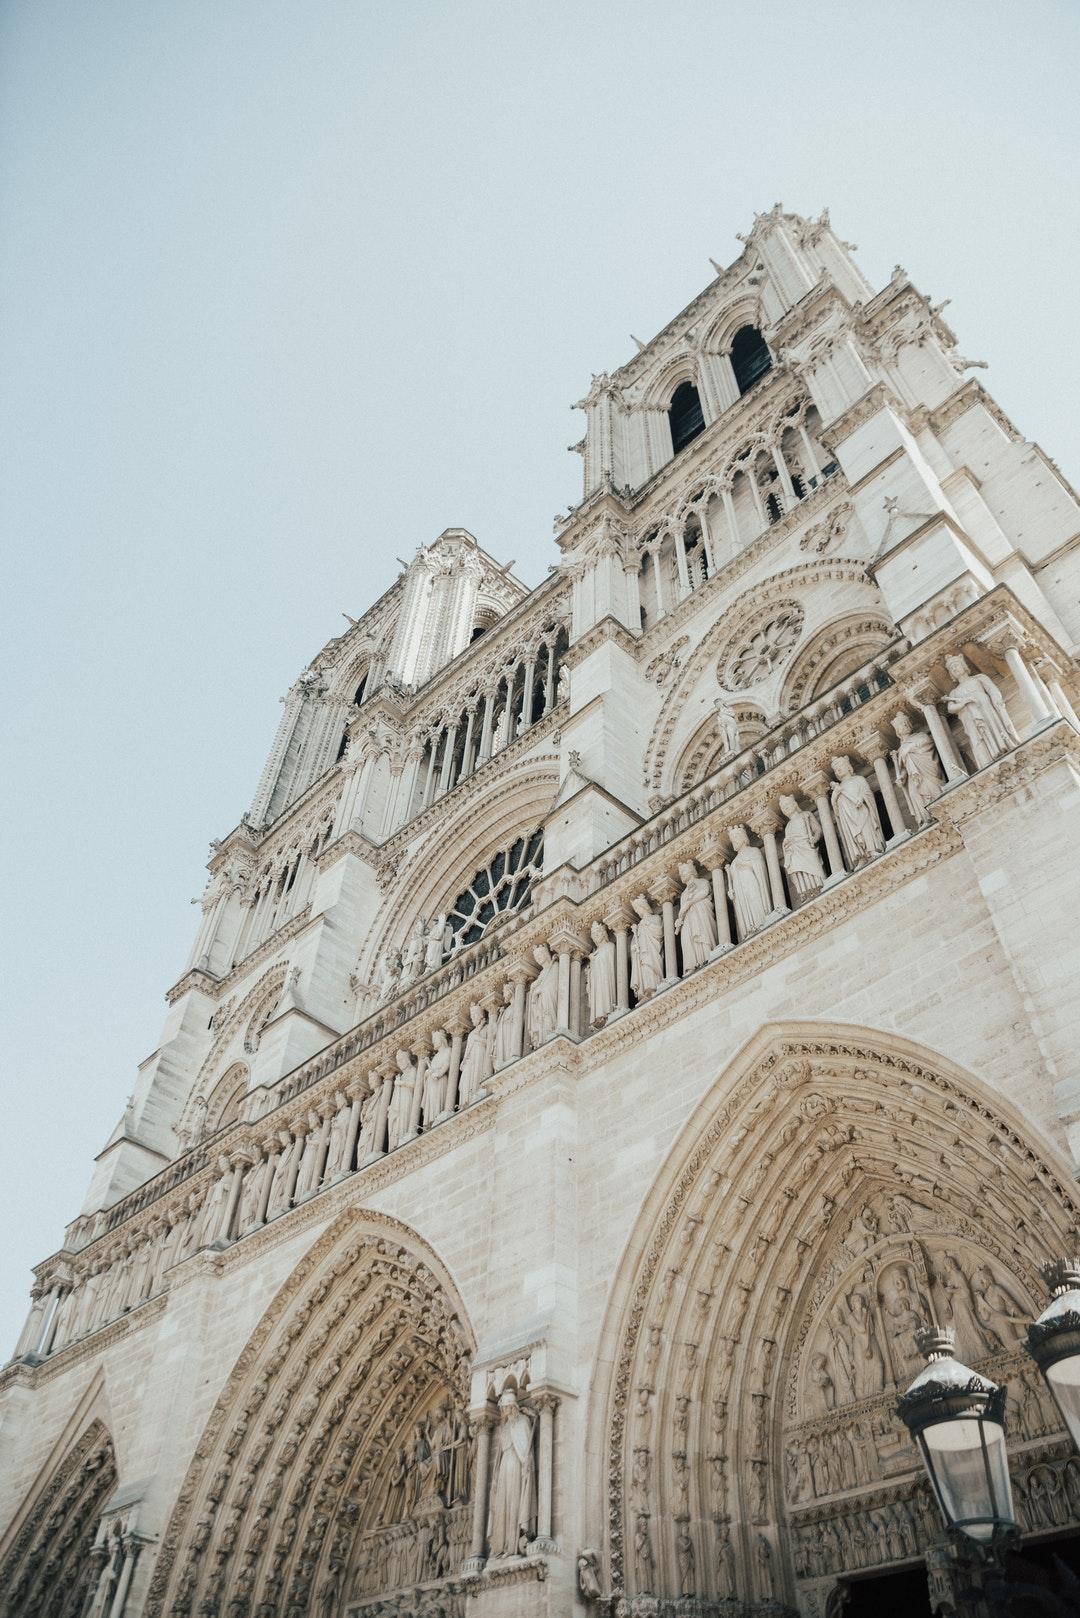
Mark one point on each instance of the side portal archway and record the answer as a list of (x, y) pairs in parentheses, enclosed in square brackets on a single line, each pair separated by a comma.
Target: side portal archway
[(336, 1463), (49, 1568), (838, 1188)]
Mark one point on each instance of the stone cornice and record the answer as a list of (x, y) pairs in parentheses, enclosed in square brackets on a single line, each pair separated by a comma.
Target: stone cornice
[(876, 398), (966, 397), (607, 629)]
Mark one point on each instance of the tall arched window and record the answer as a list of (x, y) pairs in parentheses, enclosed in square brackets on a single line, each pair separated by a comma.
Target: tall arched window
[(750, 358), (685, 416)]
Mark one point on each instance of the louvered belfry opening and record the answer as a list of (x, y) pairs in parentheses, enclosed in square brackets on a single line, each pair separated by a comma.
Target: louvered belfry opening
[(750, 357), (685, 415)]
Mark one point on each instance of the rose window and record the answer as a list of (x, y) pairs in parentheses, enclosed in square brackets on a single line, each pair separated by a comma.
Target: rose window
[(764, 651), (503, 885)]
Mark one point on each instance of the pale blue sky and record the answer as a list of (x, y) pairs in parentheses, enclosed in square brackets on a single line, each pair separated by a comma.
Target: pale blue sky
[(286, 289)]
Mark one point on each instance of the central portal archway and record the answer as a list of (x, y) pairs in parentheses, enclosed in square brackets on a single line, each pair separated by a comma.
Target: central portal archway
[(336, 1464), (835, 1191)]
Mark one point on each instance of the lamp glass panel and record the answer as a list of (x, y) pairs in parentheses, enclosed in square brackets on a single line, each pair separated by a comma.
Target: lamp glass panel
[(975, 1492), (1064, 1380)]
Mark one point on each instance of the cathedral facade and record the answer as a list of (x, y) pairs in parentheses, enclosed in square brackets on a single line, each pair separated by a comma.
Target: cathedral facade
[(628, 1010)]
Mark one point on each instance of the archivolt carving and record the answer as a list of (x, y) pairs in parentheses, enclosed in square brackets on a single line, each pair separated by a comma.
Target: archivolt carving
[(719, 646), (49, 1569), (334, 1463), (837, 1187)]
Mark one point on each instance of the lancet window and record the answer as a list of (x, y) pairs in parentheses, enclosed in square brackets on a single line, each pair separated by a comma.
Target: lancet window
[(492, 716), (763, 483), (750, 357), (685, 416)]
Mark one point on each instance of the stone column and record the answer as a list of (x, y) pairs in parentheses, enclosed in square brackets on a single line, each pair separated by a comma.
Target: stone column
[(356, 1093), (924, 697), (31, 1334), (546, 1403), (448, 758), (457, 1031), (562, 1019), (378, 1134), (732, 520), (632, 588), (816, 786), (680, 563), (485, 730), (1026, 685), (873, 749), (272, 1148), (466, 752), (429, 784), (576, 957), (790, 497), (1049, 675), (527, 693), (619, 921), (712, 858), (299, 1130), (766, 825), (665, 890), (813, 465), (422, 1051), (658, 581), (326, 1117), (519, 976), (481, 1423), (239, 1161), (131, 1547)]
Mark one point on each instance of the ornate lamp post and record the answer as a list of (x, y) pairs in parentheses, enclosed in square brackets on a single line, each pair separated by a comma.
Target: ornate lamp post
[(1054, 1341), (957, 1419)]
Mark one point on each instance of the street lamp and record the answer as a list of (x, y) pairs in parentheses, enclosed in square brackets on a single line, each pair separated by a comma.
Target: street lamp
[(1054, 1341), (957, 1419)]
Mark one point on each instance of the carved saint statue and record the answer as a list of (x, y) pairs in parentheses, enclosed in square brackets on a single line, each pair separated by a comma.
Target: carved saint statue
[(438, 1071), (601, 975), (476, 1060), (368, 1115), (401, 1100), (684, 1556), (543, 1010), (728, 727), (646, 949), (437, 941), (512, 1509), (390, 976), (196, 1122), (856, 814), (917, 768), (588, 1575), (412, 957), (980, 708), (562, 685), (802, 862), (504, 1029), (643, 1555), (748, 883), (696, 922)]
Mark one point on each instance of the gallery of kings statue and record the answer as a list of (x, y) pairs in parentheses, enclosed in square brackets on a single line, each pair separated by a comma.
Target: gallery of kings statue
[(627, 1012)]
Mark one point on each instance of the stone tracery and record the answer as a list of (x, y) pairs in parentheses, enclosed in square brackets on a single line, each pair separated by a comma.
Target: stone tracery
[(767, 1323)]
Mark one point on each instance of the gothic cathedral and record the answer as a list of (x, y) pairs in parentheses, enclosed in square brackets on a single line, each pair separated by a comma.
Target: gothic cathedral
[(628, 1011)]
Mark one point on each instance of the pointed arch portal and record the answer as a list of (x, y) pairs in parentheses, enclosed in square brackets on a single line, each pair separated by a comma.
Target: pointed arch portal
[(833, 1191), (335, 1466), (48, 1571)]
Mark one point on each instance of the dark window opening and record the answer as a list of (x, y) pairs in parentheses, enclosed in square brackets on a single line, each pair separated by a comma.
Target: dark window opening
[(360, 690), (685, 416), (750, 358), (772, 507), (342, 745)]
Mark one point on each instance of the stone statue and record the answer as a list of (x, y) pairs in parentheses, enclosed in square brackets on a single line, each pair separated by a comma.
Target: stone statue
[(438, 1071), (980, 708), (959, 1308), (401, 1100), (476, 1059), (339, 1130), (588, 1576), (512, 1508), (684, 1556), (437, 941), (601, 975), (562, 685), (696, 922), (728, 727), (856, 814), (646, 949), (390, 976), (725, 1561), (748, 884), (802, 862), (394, 1508), (504, 1029), (998, 1310), (413, 955), (543, 1012), (196, 1126), (643, 1555), (368, 1114), (917, 768)]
